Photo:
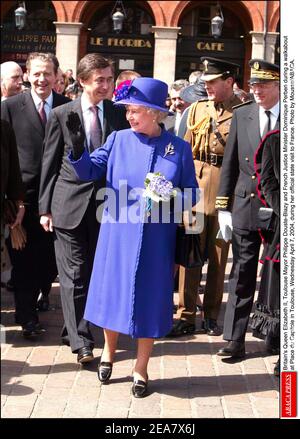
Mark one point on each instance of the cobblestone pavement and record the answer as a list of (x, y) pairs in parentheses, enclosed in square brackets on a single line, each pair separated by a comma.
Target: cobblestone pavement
[(41, 379)]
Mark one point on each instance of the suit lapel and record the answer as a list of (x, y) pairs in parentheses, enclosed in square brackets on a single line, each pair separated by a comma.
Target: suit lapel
[(106, 130), (226, 115), (76, 107), (29, 111), (252, 126), (57, 100), (228, 108)]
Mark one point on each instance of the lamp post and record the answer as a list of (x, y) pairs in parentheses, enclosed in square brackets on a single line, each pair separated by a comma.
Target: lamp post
[(117, 16), (217, 23), (20, 16)]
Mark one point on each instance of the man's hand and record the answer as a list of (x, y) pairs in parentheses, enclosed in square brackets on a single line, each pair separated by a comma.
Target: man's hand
[(225, 221), (76, 134), (46, 222)]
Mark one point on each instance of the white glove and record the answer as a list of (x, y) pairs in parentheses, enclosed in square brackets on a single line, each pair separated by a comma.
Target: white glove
[(225, 223), (46, 222)]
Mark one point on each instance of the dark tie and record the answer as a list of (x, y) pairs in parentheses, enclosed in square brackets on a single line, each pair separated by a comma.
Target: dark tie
[(96, 130), (267, 127), (219, 108), (42, 113)]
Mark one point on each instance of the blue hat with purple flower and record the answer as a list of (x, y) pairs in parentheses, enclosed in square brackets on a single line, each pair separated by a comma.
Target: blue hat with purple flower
[(148, 92)]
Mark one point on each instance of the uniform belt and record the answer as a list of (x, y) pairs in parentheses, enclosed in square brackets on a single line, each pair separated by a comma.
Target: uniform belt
[(212, 159)]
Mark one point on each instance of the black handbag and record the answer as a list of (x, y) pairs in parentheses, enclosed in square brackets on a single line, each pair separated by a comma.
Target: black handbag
[(188, 252), (266, 219)]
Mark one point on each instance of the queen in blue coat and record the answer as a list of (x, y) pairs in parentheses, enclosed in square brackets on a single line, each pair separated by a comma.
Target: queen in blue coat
[(131, 287)]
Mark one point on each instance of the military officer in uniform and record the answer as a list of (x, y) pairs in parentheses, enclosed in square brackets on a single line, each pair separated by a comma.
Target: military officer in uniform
[(250, 122), (207, 130)]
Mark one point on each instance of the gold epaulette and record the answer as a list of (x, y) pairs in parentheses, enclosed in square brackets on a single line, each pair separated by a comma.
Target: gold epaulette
[(242, 104), (222, 203)]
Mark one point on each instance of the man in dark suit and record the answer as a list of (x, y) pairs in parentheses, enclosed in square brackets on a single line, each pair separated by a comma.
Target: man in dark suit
[(34, 267), (67, 205), (250, 122)]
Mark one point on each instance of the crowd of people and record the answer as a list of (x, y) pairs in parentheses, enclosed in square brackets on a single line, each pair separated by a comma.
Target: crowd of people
[(71, 144)]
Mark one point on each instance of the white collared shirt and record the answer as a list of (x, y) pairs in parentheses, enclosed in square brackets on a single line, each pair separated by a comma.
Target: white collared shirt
[(177, 122), (87, 115), (263, 118), (38, 101)]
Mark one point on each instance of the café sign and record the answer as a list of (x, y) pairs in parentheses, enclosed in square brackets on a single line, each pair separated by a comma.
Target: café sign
[(120, 42), (227, 48), (218, 47), (117, 43)]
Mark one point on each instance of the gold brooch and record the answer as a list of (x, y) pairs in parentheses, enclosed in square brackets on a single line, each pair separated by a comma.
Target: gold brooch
[(256, 65), (205, 65)]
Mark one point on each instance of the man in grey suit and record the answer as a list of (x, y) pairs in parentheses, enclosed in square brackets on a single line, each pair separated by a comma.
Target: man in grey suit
[(237, 193), (67, 205), (34, 267), (178, 105)]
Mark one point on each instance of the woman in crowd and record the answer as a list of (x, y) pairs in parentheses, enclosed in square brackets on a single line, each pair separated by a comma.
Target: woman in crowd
[(131, 287), (73, 91), (61, 82), (12, 193)]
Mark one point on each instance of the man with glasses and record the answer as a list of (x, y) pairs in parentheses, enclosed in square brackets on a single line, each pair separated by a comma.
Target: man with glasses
[(237, 201)]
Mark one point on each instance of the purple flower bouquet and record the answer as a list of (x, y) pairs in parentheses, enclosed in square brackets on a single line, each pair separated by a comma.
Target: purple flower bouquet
[(157, 189)]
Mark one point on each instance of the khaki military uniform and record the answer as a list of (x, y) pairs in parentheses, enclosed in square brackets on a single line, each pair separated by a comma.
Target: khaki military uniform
[(208, 128)]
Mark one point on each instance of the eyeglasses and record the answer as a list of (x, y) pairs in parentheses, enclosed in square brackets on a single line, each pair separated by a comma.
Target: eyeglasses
[(262, 85)]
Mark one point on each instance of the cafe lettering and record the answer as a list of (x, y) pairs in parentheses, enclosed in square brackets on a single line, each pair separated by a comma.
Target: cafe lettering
[(219, 47), (120, 42)]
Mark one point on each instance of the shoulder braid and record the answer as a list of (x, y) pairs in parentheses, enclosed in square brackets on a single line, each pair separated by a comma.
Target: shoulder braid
[(198, 129)]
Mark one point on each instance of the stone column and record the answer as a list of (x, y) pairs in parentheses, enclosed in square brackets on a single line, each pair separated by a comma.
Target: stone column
[(258, 45), (67, 45), (165, 53)]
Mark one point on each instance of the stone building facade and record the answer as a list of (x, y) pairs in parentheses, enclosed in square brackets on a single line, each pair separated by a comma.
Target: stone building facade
[(161, 38)]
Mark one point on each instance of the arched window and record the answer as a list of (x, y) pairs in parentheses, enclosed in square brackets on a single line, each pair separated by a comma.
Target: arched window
[(133, 47), (138, 21), (196, 22), (40, 17), (195, 39)]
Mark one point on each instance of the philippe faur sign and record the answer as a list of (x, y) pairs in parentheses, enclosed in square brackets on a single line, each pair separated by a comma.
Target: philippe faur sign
[(28, 41)]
